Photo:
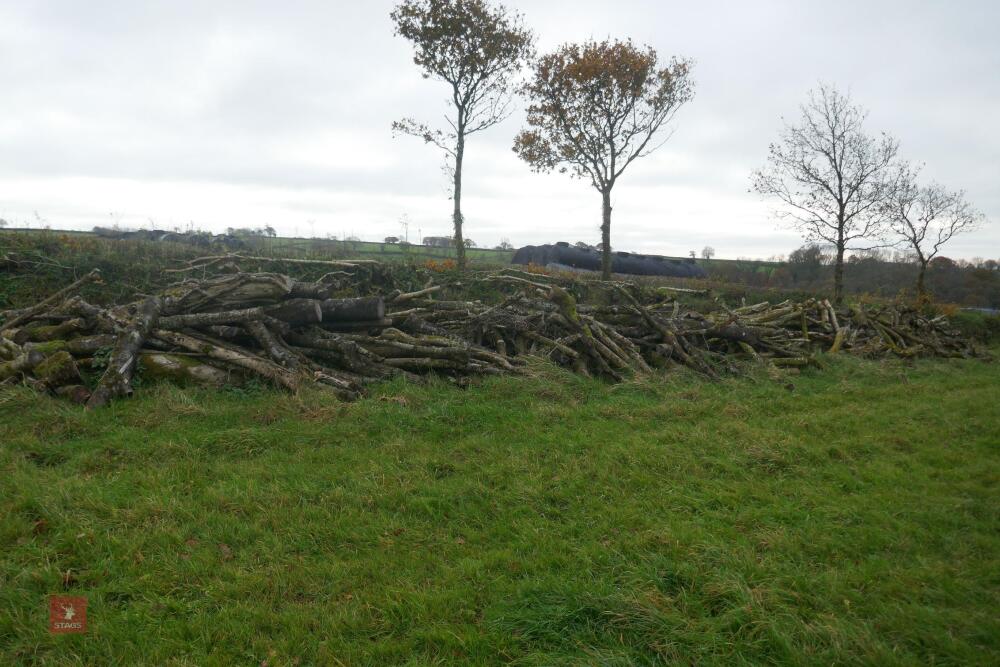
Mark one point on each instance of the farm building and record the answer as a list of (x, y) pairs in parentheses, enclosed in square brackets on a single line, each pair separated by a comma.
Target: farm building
[(439, 241), (563, 255)]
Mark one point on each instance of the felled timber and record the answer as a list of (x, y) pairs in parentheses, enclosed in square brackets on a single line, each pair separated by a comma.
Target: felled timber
[(342, 335)]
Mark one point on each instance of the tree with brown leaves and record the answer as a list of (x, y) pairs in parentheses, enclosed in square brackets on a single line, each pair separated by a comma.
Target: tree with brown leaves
[(928, 216), (477, 49), (832, 179), (594, 109)]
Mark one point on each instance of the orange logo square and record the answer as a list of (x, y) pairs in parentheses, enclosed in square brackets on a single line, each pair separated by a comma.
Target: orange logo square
[(67, 614)]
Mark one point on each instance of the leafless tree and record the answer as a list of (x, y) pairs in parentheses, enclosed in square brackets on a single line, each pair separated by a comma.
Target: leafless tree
[(832, 179), (708, 252), (927, 216), (477, 49), (595, 108)]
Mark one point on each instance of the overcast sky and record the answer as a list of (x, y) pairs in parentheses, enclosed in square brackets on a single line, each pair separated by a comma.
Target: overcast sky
[(250, 113)]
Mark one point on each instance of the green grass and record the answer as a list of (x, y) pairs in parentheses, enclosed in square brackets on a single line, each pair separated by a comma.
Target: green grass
[(849, 516)]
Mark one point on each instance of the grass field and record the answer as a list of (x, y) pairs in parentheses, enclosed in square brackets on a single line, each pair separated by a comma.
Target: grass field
[(844, 516)]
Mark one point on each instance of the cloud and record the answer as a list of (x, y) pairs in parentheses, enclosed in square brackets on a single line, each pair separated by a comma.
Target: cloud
[(233, 113)]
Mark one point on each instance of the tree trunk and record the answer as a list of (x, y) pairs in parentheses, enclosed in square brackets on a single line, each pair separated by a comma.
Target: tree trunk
[(274, 347), (838, 276), (457, 197), (606, 233), (921, 287), (117, 379)]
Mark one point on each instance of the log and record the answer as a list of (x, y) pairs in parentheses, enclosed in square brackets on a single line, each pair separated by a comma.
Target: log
[(51, 331), (202, 320), (233, 355), (182, 369), (353, 310), (55, 298), (388, 349), (117, 379), (344, 352), (74, 393), (57, 370), (9, 349), (238, 290), (21, 364), (401, 298), (274, 347), (363, 325), (83, 346)]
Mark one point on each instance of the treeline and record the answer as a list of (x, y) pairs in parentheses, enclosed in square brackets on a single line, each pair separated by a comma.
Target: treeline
[(970, 284)]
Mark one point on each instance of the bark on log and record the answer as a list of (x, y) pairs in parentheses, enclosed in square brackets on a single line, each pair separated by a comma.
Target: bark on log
[(74, 393), (57, 370), (51, 331), (83, 346), (347, 353), (233, 355), (361, 325), (23, 363), (274, 347), (9, 349), (117, 379), (200, 320), (226, 293), (182, 369)]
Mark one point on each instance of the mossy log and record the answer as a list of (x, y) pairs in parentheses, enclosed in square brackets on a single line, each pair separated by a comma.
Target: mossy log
[(182, 369), (84, 346), (117, 379), (58, 369), (75, 393), (233, 355), (21, 364), (49, 332), (9, 349)]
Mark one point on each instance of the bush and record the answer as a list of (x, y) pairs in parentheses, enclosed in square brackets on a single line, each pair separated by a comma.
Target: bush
[(977, 325)]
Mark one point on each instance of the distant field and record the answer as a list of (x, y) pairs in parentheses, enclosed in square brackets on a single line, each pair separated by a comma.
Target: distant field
[(368, 249), (301, 247), (294, 247)]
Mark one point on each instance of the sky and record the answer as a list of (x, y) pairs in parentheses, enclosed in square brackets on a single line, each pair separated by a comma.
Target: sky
[(232, 114)]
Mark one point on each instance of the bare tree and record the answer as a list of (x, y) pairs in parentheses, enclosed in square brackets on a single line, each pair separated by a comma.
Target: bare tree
[(477, 49), (594, 109), (832, 179), (708, 252), (927, 217)]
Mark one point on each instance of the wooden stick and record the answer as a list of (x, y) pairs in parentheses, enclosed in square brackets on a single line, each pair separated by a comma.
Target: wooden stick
[(55, 298)]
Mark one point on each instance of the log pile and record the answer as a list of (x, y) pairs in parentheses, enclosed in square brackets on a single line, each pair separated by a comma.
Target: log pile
[(343, 336)]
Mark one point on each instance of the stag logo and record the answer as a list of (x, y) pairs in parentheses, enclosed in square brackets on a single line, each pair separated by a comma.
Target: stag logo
[(67, 614)]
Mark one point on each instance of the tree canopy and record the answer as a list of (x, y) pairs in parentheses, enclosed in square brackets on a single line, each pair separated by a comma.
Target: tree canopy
[(478, 49), (596, 107), (831, 178)]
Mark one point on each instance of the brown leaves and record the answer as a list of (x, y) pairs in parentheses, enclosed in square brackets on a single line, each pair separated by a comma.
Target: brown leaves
[(596, 106)]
